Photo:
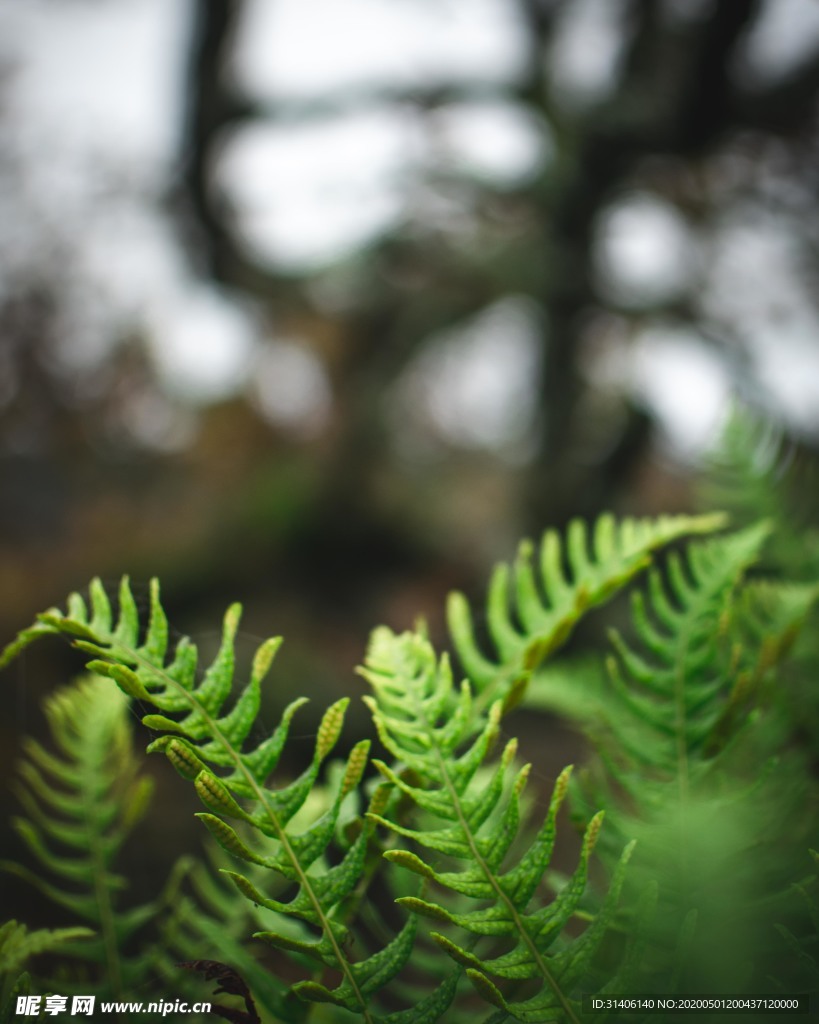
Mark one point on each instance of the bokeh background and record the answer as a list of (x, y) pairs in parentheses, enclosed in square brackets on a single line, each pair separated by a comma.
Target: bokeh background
[(322, 304)]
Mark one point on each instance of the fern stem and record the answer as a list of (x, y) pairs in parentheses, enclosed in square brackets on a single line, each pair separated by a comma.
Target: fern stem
[(281, 834), (102, 892), (680, 726), (682, 771)]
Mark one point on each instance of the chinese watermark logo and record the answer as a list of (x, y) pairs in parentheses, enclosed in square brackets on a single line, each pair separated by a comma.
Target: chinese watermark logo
[(33, 1006), (29, 1006)]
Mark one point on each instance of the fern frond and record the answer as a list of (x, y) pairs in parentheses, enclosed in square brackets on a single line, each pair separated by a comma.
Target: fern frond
[(82, 802), (208, 919), (17, 946), (208, 743), (686, 721), (693, 755), (702, 650), (801, 940), (672, 687), (428, 727), (534, 605), (757, 473)]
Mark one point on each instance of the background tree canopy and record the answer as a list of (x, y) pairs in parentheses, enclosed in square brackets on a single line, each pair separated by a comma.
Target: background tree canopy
[(320, 305)]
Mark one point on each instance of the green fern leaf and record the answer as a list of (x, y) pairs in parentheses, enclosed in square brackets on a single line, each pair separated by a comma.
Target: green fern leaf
[(82, 804), (208, 919), (17, 946), (425, 724), (533, 608), (207, 741), (803, 948), (689, 742), (429, 1009), (570, 965), (702, 653), (756, 472)]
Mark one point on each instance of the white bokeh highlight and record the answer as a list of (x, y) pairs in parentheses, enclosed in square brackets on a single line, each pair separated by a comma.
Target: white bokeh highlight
[(300, 49), (644, 253), (477, 384)]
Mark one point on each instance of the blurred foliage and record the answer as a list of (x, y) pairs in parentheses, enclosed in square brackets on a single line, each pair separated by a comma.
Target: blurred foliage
[(700, 762), (375, 507)]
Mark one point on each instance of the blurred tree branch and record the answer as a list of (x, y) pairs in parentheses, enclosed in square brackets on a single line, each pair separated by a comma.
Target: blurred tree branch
[(676, 95)]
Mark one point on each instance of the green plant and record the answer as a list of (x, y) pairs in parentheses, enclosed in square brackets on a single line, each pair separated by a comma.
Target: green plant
[(83, 799), (82, 804), (17, 946), (428, 891)]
